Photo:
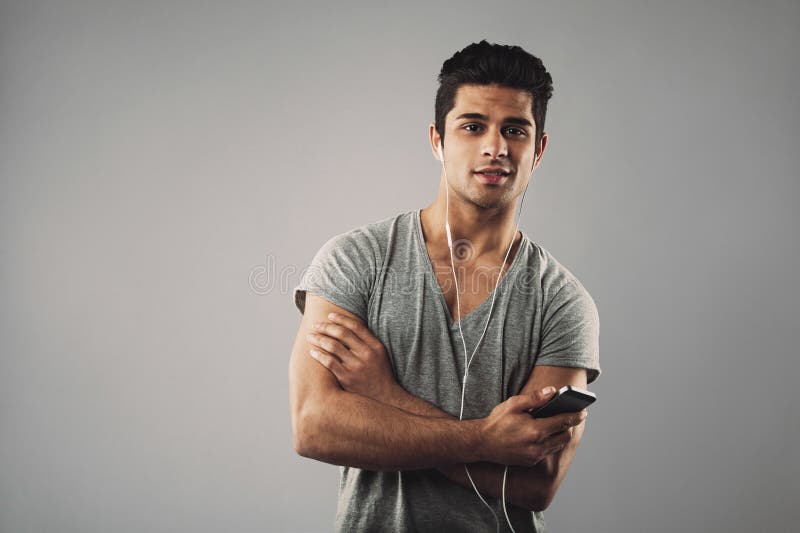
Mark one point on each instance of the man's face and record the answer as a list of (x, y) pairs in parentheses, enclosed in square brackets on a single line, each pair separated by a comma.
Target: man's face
[(489, 126)]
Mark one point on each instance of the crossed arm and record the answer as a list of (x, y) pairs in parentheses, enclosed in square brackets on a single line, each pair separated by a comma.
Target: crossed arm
[(390, 429), (522, 483)]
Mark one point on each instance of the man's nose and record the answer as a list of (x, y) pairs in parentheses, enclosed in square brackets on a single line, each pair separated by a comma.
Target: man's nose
[(495, 145)]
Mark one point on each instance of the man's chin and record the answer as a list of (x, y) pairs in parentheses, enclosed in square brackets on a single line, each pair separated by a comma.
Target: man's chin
[(488, 202)]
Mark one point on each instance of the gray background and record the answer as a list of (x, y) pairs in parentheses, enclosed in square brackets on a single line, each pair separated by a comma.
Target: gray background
[(168, 169)]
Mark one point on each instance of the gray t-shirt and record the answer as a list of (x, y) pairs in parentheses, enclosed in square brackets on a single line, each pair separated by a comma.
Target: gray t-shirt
[(542, 314)]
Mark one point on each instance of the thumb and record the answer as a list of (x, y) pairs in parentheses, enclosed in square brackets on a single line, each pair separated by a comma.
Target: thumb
[(543, 396), (539, 397)]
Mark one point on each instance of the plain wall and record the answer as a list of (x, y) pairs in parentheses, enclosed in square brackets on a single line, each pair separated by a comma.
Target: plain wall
[(169, 168)]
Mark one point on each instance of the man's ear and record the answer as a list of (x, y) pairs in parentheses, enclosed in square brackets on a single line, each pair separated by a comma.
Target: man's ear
[(540, 152), (435, 139)]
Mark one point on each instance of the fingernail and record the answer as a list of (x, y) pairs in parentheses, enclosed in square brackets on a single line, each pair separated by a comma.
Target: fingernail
[(314, 354), (332, 315), (547, 391), (310, 337)]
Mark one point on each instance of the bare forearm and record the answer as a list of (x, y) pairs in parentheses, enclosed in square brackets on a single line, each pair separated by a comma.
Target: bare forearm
[(524, 485), (352, 430), (402, 399), (532, 488)]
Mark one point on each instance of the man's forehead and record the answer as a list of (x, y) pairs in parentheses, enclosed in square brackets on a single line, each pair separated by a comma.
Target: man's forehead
[(492, 99)]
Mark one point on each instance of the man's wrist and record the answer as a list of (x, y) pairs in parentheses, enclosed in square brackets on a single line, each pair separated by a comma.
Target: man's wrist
[(479, 442), (474, 447), (391, 395)]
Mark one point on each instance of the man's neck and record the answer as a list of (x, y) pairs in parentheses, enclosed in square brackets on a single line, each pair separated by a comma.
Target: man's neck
[(489, 231)]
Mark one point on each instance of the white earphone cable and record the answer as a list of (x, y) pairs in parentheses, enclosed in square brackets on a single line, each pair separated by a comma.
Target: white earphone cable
[(467, 363)]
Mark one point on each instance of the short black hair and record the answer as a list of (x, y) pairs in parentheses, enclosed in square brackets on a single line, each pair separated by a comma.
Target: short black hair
[(487, 64)]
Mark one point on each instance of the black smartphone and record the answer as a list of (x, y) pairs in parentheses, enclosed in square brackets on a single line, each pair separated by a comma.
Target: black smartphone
[(568, 399)]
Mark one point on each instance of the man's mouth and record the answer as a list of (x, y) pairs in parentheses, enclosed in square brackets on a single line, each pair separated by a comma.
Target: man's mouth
[(493, 176)]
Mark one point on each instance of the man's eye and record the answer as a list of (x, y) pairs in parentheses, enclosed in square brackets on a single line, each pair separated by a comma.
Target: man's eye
[(517, 132)]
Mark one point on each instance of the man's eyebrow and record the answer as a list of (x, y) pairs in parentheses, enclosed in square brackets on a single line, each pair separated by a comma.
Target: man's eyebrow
[(520, 121)]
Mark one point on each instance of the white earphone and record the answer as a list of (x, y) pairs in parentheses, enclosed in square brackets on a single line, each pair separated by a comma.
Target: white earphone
[(461, 332), (446, 222)]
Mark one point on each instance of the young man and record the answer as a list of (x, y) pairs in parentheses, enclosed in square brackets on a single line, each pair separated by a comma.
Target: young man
[(429, 436)]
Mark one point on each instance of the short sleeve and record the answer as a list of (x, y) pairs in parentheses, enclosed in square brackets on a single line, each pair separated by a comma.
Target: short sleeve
[(571, 331), (342, 272)]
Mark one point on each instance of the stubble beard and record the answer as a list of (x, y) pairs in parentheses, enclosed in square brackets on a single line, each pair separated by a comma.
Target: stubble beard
[(492, 200)]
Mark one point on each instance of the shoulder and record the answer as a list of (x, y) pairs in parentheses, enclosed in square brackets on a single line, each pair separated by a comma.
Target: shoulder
[(552, 276), (344, 269), (370, 238), (346, 266), (570, 319)]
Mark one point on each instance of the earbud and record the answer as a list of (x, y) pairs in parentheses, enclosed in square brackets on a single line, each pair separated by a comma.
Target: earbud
[(439, 149)]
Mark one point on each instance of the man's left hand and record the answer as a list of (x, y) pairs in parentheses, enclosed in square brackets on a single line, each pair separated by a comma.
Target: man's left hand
[(354, 355)]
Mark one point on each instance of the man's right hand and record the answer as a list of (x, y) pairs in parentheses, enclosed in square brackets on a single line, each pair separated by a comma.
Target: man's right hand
[(511, 436)]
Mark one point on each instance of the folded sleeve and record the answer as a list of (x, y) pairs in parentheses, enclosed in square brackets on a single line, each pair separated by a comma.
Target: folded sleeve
[(342, 272), (571, 331)]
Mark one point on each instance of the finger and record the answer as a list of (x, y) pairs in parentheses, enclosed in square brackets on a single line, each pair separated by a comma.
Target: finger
[(556, 441), (357, 327), (328, 361), (340, 333), (558, 423), (554, 449), (330, 345), (547, 448)]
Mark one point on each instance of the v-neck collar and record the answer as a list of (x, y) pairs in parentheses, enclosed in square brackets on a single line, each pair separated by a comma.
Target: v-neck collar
[(451, 322)]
